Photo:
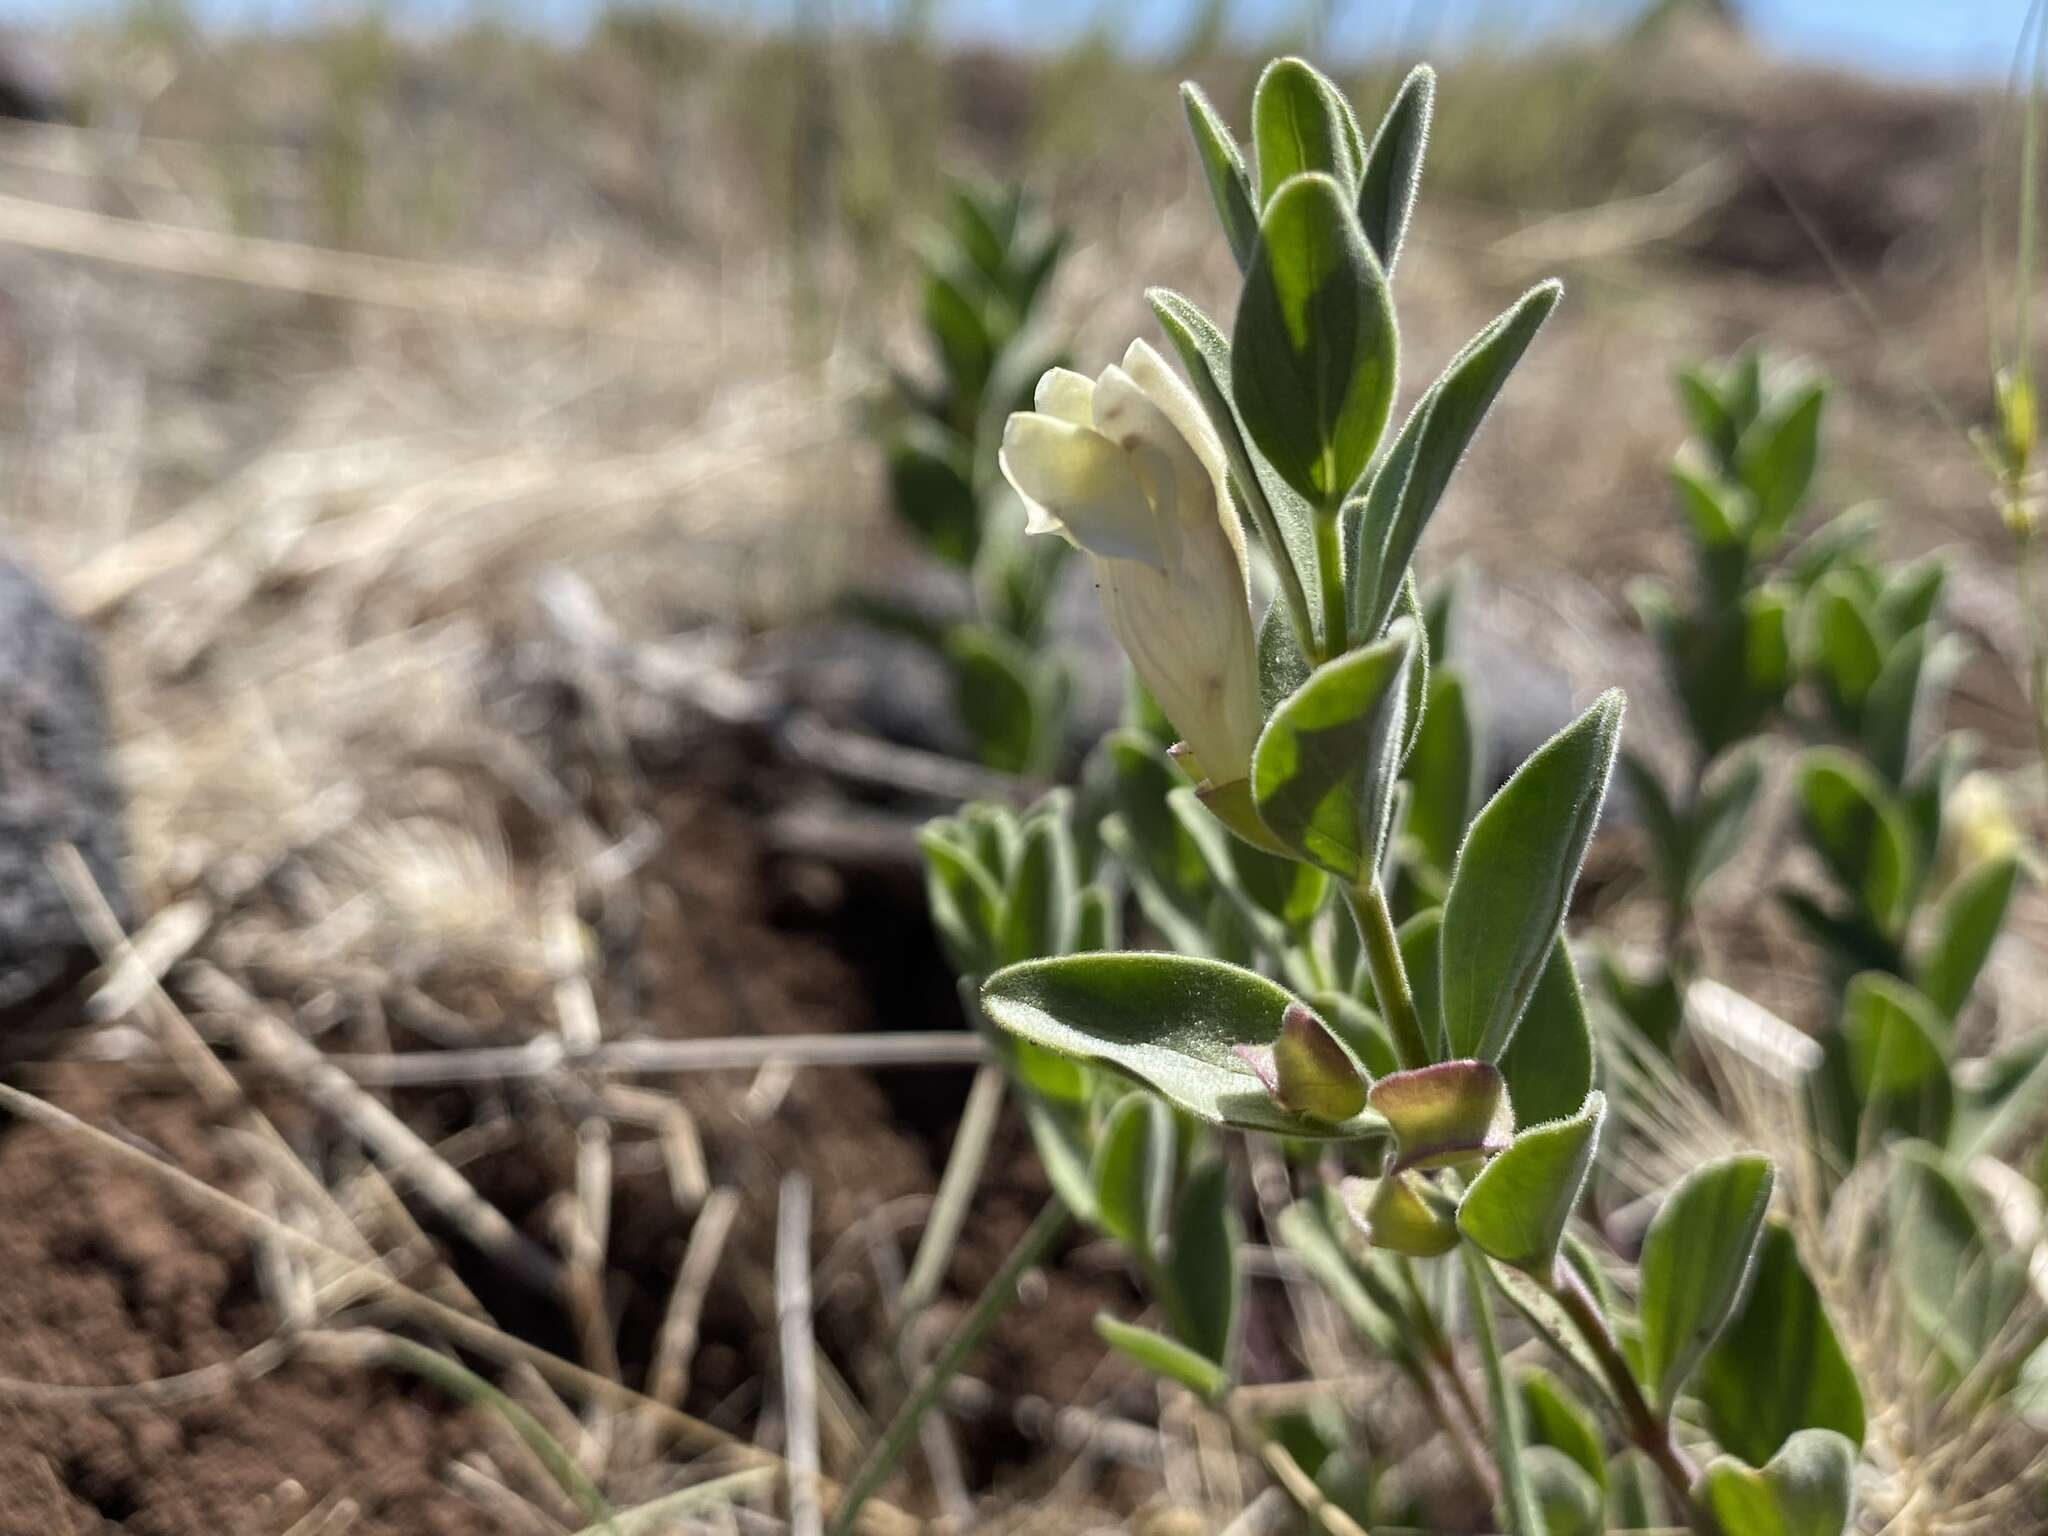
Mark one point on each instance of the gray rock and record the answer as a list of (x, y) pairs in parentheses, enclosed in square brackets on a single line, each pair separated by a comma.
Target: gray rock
[(56, 786)]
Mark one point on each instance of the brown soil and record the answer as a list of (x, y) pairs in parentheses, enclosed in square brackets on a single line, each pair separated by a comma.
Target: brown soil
[(108, 1279), (105, 1280)]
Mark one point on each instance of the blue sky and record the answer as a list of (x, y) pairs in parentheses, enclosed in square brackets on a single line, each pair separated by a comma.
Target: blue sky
[(1913, 39)]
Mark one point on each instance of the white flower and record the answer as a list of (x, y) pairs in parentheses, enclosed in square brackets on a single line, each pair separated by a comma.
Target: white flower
[(1127, 468)]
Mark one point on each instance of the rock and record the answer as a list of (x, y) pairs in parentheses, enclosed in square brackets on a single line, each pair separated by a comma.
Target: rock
[(33, 83), (56, 786)]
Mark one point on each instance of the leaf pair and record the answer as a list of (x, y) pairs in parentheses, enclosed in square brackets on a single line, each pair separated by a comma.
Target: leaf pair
[(1002, 888), (1302, 124)]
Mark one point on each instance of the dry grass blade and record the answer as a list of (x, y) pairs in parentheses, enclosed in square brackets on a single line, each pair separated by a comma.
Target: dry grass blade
[(675, 1344), (799, 1352), (654, 1517), (465, 294), (410, 1160), (737, 1053)]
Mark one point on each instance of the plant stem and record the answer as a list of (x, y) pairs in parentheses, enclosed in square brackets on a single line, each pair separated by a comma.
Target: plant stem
[(2037, 642), (1032, 1249), (1330, 568), (1368, 903), (1297, 1484), (1651, 1433), (1518, 1501)]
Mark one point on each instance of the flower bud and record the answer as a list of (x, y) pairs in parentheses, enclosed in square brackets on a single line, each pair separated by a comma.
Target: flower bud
[(1127, 468), (1316, 1075), (1306, 1071), (1450, 1113), (1402, 1214)]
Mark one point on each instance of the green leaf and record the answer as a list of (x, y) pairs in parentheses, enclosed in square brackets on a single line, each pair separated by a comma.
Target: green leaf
[(1041, 899), (1284, 522), (1324, 771), (958, 329), (1777, 455), (1670, 837), (931, 487), (1957, 1280), (1721, 815), (1058, 1136), (1964, 927), (1421, 939), (1636, 1497), (1412, 477), (1711, 421), (1808, 1489), (1911, 593), (1275, 897), (1402, 1214), (1300, 124), (1392, 171), (1098, 919), (1443, 772), (1779, 1367), (1223, 167), (1556, 1418), (994, 693), (1719, 514), (1896, 1053), (1840, 538), (1549, 1064), (1861, 833), (1845, 647), (1171, 1022), (964, 900), (1203, 1266), (1514, 878), (1891, 709), (1570, 1501), (1167, 869), (1517, 1209), (1695, 1263), (1314, 354), (1121, 1172), (1162, 1356)]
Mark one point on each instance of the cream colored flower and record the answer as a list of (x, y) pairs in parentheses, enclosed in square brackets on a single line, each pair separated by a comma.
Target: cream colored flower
[(1127, 468)]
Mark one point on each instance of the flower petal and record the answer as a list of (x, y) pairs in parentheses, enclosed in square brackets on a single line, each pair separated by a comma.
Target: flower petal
[(1178, 404), (1066, 394), (1083, 482)]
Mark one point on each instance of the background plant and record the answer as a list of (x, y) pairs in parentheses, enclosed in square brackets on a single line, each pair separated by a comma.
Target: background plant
[(983, 277)]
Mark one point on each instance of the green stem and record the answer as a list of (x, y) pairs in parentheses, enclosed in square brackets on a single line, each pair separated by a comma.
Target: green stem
[(1031, 1250), (2037, 642), (1330, 569), (1368, 903), (1650, 1432), (1519, 1511)]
